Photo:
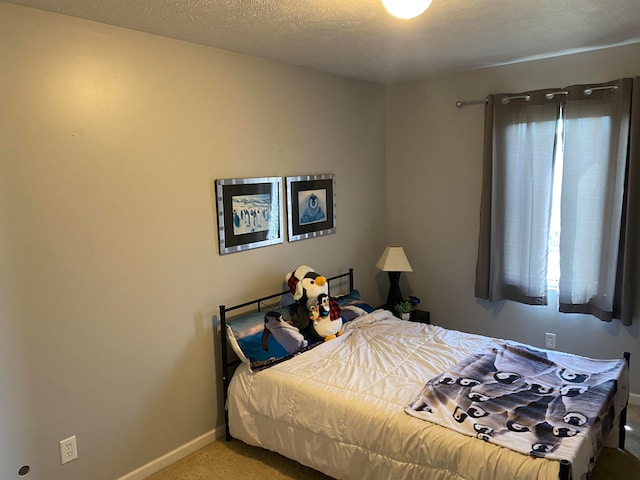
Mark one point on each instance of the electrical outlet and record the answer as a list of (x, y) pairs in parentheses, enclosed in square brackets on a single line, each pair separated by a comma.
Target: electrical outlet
[(68, 449), (550, 340)]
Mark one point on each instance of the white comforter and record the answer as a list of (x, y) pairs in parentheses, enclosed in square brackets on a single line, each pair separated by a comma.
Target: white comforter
[(339, 408)]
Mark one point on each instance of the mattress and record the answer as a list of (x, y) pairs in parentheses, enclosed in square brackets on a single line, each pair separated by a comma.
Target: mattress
[(339, 407)]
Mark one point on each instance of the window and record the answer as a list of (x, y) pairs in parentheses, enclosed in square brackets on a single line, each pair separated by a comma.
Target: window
[(553, 262)]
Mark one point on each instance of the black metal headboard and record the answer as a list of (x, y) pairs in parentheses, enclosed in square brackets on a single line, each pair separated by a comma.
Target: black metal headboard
[(257, 304)]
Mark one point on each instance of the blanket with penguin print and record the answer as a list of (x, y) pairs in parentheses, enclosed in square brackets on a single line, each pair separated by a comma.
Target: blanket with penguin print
[(538, 402)]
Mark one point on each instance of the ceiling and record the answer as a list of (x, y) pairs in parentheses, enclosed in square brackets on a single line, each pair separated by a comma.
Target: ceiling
[(358, 38)]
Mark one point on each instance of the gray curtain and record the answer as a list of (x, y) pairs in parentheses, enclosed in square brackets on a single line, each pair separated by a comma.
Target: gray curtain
[(599, 205), (593, 183), (628, 258), (516, 197)]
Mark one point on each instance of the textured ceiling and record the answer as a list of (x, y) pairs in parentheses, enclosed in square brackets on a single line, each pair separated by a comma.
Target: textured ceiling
[(358, 38)]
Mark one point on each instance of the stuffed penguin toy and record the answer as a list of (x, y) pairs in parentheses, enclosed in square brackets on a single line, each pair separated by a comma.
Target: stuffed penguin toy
[(306, 285), (322, 325), (304, 282)]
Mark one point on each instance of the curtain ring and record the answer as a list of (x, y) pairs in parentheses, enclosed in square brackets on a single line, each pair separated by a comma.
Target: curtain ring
[(506, 100), (589, 91)]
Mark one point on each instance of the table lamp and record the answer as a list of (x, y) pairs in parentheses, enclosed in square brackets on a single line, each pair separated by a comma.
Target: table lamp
[(394, 261)]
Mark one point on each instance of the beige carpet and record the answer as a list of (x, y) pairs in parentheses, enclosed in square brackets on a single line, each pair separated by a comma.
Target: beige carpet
[(237, 461)]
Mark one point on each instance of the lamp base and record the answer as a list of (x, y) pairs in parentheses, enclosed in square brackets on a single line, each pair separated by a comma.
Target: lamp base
[(395, 296)]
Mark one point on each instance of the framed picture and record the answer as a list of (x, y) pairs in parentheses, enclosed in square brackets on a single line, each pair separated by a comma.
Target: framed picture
[(250, 213), (311, 206)]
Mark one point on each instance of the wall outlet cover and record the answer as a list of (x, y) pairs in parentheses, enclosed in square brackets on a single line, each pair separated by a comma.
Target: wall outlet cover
[(68, 449)]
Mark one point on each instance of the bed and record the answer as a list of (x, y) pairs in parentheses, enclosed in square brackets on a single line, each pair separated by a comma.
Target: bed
[(359, 406)]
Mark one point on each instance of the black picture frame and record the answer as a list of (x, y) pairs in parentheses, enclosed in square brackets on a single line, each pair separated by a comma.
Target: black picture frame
[(311, 206), (249, 212)]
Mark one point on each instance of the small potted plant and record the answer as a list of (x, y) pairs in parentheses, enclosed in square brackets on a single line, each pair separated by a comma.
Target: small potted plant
[(404, 308)]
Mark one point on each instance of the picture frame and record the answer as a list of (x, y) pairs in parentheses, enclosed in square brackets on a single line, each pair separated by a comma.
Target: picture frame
[(249, 212), (311, 206)]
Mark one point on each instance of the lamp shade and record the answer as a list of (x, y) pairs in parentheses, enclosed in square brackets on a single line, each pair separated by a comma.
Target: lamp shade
[(393, 259), (406, 8)]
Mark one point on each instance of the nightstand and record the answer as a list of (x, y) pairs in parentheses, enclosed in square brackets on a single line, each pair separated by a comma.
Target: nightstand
[(420, 316)]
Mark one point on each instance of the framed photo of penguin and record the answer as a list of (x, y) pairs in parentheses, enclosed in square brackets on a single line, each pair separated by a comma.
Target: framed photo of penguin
[(250, 213), (311, 206)]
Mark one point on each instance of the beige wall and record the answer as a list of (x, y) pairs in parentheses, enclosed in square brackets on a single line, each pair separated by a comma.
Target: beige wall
[(109, 272), (434, 173)]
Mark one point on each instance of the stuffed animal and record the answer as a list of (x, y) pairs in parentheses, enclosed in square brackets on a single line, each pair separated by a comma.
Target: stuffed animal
[(304, 283), (322, 325), (311, 309), (314, 311)]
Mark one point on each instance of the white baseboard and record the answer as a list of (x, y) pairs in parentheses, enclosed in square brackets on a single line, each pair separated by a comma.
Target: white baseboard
[(634, 399), (173, 456)]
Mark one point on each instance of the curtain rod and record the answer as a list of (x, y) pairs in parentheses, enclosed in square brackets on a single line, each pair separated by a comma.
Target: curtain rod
[(464, 103), (549, 96)]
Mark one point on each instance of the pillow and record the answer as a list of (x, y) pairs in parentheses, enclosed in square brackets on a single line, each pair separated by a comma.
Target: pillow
[(245, 336), (258, 347), (248, 337), (353, 306), (352, 296)]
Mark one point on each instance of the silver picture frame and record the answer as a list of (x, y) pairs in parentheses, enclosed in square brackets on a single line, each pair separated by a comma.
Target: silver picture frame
[(311, 206), (249, 212)]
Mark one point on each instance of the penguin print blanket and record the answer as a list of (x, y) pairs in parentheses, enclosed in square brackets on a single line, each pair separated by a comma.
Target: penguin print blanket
[(537, 402)]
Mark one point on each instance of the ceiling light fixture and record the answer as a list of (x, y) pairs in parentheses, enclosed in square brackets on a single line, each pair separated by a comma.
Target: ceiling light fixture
[(406, 8)]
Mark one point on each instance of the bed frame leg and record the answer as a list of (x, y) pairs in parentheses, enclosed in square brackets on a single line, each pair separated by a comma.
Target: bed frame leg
[(622, 429), (565, 470), (225, 369), (227, 433), (622, 432)]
